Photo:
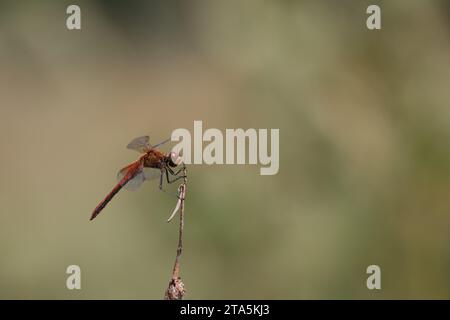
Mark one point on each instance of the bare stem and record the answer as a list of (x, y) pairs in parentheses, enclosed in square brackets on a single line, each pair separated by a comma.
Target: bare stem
[(175, 290)]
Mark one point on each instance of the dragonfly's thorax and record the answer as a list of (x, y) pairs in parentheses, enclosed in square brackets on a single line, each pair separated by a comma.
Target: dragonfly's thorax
[(154, 159)]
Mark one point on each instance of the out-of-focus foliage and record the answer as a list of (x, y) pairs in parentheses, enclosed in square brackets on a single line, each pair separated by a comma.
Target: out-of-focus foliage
[(364, 122)]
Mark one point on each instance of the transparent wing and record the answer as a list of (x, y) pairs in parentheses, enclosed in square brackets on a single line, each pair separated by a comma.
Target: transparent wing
[(161, 143), (135, 182), (151, 173), (139, 178), (140, 144)]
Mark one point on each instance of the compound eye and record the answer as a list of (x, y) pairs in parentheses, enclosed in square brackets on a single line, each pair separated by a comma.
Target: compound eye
[(176, 159)]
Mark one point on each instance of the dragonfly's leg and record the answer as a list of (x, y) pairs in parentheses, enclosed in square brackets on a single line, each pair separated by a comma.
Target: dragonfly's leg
[(169, 169), (174, 174), (161, 179), (176, 179)]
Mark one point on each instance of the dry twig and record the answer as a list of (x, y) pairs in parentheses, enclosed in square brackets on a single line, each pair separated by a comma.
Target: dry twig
[(175, 290)]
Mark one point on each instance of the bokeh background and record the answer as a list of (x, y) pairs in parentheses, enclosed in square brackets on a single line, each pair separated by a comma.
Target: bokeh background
[(364, 121)]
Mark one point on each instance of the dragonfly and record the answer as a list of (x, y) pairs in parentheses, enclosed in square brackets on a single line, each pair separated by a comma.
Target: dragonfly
[(151, 164)]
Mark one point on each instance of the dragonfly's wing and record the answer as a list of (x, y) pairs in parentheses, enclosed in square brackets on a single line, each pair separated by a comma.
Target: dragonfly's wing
[(139, 178), (140, 144), (151, 173), (134, 183), (161, 143)]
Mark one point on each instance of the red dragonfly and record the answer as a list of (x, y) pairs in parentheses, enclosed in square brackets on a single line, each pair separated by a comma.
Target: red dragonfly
[(151, 164)]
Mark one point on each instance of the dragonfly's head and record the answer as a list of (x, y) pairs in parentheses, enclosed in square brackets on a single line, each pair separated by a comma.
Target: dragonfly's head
[(174, 159)]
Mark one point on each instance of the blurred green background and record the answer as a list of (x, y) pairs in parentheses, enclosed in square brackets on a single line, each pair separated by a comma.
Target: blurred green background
[(364, 121)]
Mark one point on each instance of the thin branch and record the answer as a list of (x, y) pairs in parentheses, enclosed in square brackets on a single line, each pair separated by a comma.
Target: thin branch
[(175, 290)]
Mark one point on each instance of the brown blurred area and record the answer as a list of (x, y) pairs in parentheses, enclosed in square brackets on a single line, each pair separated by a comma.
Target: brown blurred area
[(364, 122)]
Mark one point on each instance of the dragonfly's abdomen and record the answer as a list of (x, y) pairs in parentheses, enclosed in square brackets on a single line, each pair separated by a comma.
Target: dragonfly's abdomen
[(108, 198)]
